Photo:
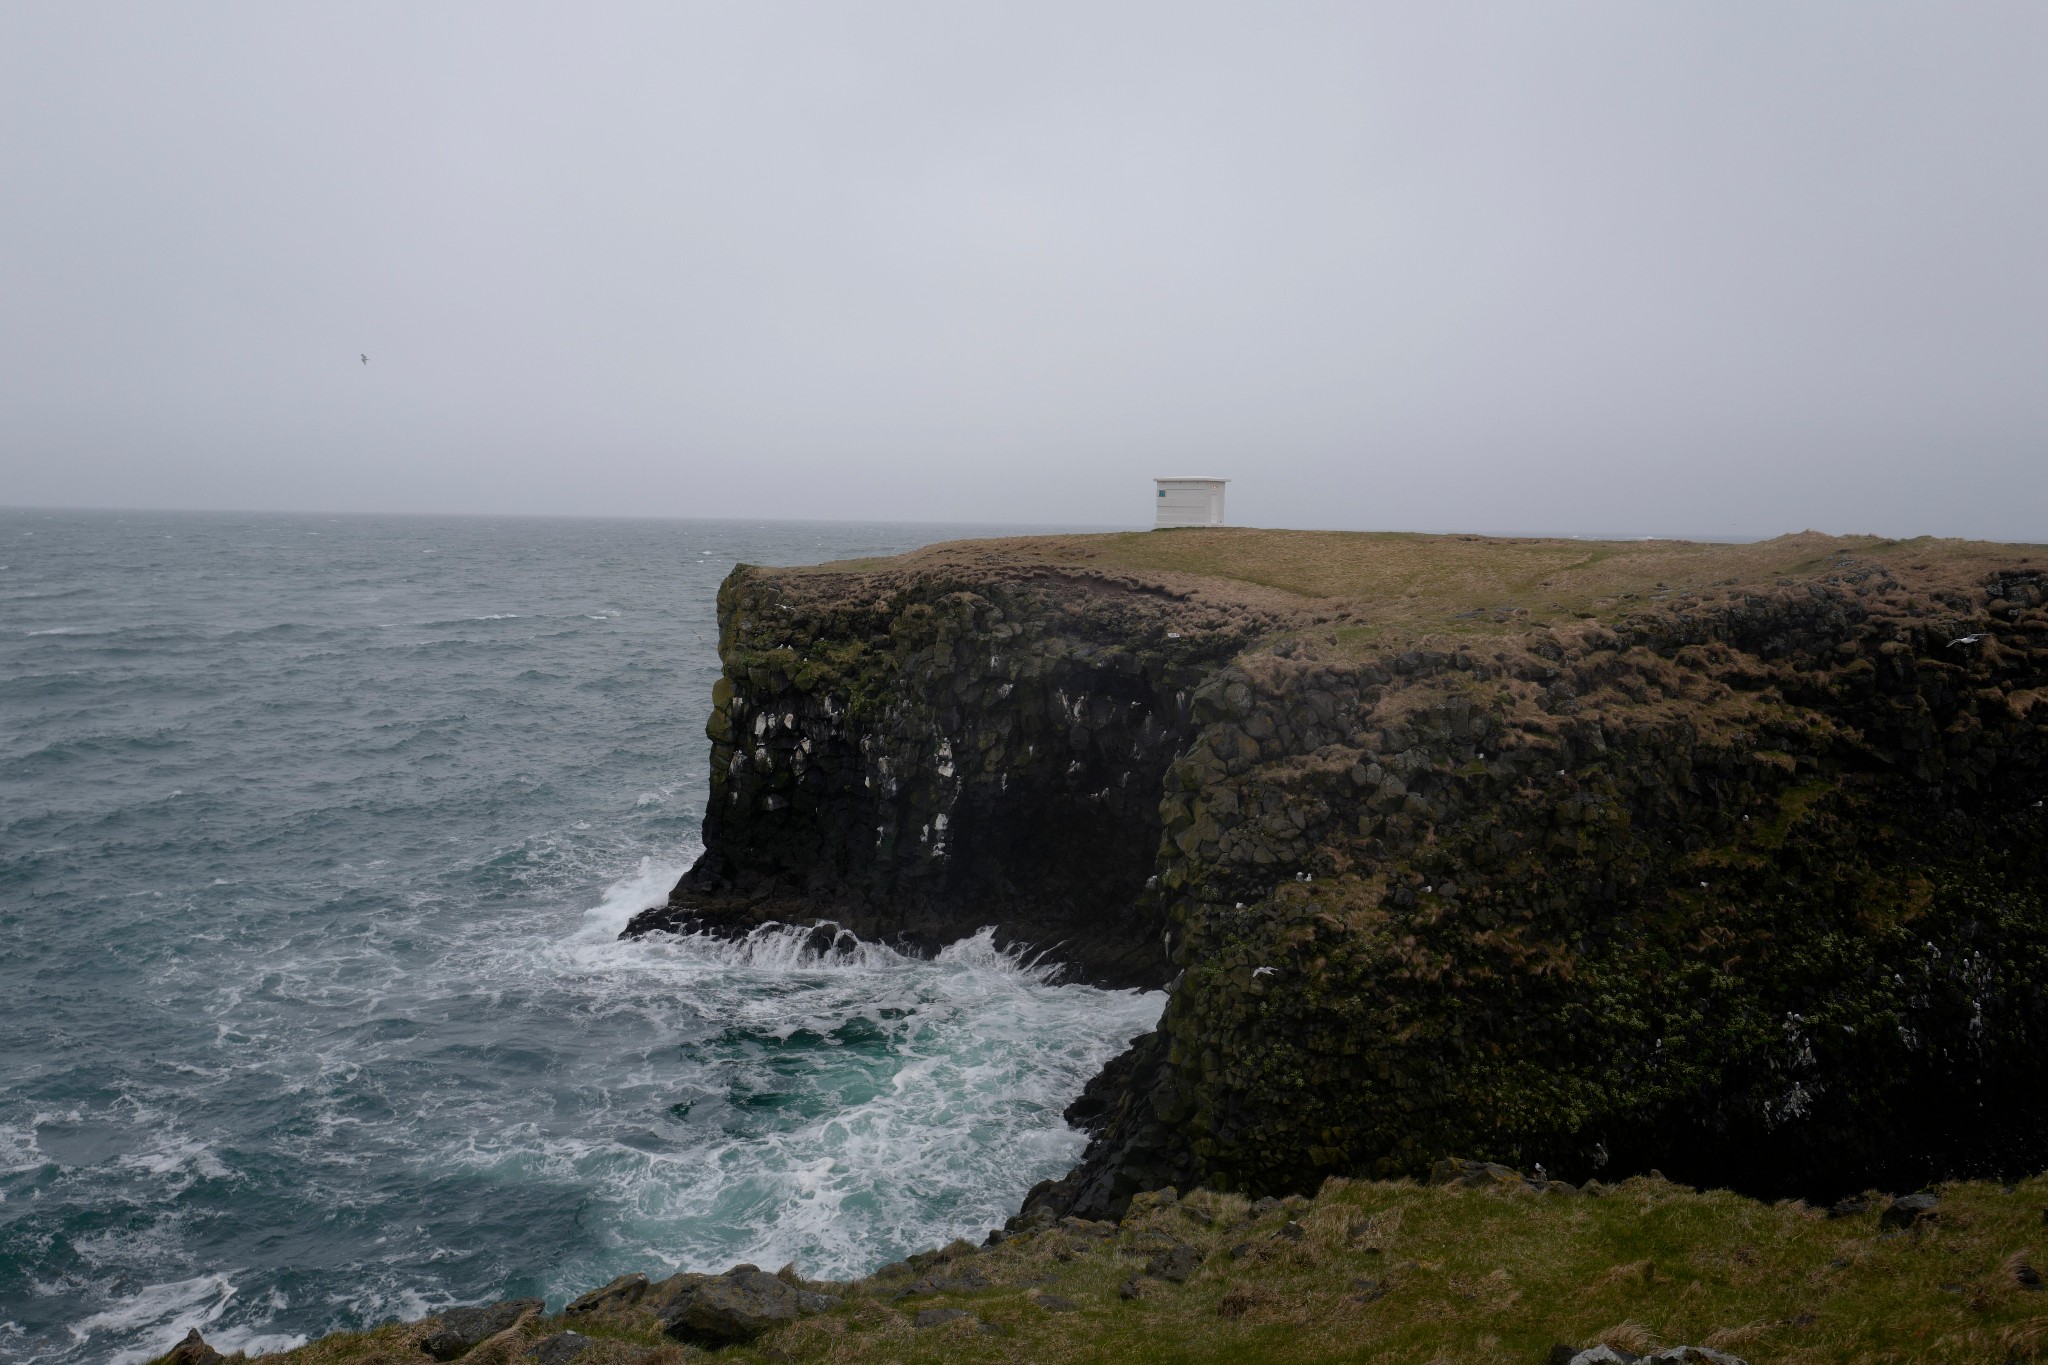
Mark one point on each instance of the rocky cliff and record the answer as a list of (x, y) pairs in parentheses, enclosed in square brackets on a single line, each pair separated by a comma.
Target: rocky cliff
[(916, 750), (1726, 860)]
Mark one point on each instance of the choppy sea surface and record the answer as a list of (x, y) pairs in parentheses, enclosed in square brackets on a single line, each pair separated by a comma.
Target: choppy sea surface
[(316, 836)]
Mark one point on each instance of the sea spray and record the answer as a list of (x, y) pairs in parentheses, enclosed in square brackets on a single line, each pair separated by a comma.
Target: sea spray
[(314, 849)]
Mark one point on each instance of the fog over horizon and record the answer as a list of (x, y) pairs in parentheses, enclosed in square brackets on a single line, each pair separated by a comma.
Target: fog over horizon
[(1692, 270)]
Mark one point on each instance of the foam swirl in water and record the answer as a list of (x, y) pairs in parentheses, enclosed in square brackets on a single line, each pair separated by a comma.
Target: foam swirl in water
[(306, 1018)]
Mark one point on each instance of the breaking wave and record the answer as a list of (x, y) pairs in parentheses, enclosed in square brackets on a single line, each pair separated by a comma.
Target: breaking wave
[(313, 1010)]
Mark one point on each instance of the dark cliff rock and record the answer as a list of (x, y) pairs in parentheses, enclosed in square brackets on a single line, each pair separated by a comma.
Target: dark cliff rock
[(916, 755), (1746, 882)]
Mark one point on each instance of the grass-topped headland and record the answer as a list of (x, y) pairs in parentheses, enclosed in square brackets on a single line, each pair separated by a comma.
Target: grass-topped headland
[(1380, 587), (1728, 860), (1580, 858), (1586, 858), (1487, 1269)]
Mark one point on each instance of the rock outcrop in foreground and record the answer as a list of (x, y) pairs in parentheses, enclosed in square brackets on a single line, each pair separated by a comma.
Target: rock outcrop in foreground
[(1727, 860)]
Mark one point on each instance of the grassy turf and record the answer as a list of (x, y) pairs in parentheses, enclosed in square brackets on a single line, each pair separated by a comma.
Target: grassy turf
[(1376, 587), (1396, 1272)]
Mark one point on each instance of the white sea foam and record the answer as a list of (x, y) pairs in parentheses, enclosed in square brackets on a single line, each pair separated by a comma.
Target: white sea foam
[(910, 1100), (383, 1302), (185, 1159), (402, 1045), (232, 1339), (18, 1149), (906, 1096), (157, 1317), (646, 885)]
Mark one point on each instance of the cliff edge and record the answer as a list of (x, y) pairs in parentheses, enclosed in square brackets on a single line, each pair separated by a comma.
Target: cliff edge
[(1728, 860)]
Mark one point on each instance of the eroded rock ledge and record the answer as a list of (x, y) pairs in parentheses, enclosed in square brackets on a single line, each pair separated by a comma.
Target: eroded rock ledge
[(1741, 877)]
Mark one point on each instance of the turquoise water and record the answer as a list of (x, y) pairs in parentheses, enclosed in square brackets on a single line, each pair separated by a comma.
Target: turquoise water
[(316, 835)]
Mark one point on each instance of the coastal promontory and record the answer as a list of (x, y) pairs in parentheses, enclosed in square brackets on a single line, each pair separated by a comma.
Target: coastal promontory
[(1585, 951), (1598, 857)]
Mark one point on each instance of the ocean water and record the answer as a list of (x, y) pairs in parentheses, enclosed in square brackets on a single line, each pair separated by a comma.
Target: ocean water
[(316, 836)]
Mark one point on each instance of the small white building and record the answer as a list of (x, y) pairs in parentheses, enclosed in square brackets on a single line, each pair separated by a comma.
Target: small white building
[(1188, 502)]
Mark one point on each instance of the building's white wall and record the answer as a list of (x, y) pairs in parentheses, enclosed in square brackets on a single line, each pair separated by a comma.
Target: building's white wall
[(1187, 502)]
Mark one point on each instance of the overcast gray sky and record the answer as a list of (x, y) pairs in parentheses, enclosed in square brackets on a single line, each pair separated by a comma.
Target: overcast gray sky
[(1713, 268)]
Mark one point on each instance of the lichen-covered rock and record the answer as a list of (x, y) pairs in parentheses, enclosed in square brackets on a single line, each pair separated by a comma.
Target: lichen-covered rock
[(1175, 1263), (558, 1349), (737, 1306), (622, 1293), (457, 1331), (193, 1350)]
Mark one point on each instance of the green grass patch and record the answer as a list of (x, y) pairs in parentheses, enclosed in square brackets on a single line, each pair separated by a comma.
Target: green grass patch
[(1400, 1272)]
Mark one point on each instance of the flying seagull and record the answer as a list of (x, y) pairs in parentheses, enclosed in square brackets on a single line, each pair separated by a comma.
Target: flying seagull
[(366, 360), (1258, 972), (1968, 640)]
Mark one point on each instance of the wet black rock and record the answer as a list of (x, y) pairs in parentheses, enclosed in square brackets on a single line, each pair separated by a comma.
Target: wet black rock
[(1092, 1109)]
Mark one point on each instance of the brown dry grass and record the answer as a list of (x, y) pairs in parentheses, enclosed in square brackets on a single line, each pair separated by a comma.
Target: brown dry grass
[(1374, 588)]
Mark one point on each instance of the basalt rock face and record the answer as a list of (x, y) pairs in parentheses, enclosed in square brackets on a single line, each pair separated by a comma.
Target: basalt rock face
[(915, 756), (1755, 892), (1752, 887)]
